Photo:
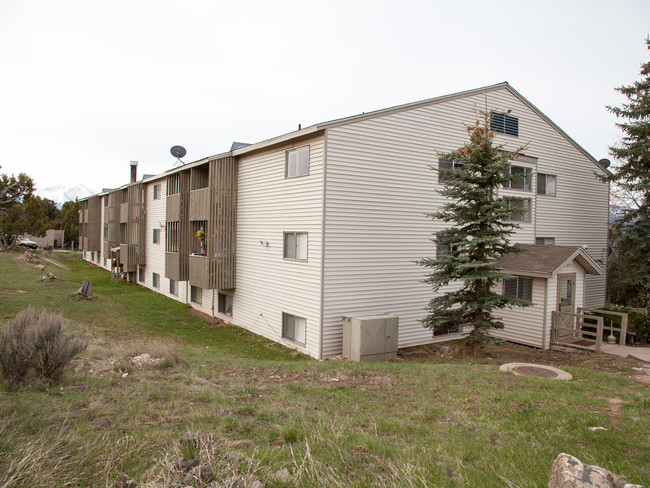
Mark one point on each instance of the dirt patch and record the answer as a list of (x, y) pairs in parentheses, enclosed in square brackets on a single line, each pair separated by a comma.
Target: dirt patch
[(506, 352), (211, 321)]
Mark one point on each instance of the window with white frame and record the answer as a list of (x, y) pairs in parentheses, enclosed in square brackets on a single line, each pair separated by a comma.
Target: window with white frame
[(546, 184), (156, 192), (294, 328), (173, 287), (443, 248), (295, 245), (141, 275), (155, 280), (156, 236), (225, 304), (524, 178), (519, 286), (297, 162), (545, 241), (520, 210), (196, 294), (446, 166)]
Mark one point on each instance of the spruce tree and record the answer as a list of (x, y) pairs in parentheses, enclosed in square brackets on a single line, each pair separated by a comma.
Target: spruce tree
[(633, 176), (477, 233)]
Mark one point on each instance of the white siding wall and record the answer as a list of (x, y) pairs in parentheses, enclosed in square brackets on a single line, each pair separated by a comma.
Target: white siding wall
[(379, 186), (269, 204), (525, 325)]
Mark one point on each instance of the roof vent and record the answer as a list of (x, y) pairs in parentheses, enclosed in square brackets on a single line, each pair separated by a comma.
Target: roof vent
[(238, 145)]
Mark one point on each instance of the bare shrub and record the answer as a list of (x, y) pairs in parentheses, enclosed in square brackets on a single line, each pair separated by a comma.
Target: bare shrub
[(42, 348), (53, 348), (16, 349)]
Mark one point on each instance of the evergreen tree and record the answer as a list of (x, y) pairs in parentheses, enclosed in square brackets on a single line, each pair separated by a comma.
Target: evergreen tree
[(477, 234), (632, 257)]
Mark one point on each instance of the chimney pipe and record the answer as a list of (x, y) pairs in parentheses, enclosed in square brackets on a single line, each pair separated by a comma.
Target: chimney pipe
[(134, 171)]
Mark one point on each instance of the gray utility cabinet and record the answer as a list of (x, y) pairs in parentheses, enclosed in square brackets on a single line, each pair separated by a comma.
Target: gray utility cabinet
[(371, 338)]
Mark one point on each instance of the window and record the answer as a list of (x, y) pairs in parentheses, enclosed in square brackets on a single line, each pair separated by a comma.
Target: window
[(105, 232), (123, 234), (156, 192), (196, 294), (546, 184), (295, 245), (504, 124), (519, 286), (520, 210), (225, 304), (198, 246), (171, 237), (155, 280), (545, 241), (156, 236), (293, 328), (297, 162), (524, 179), (443, 248), (173, 287), (141, 275), (445, 164)]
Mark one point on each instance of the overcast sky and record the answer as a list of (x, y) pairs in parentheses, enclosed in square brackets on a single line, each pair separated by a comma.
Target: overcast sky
[(86, 86)]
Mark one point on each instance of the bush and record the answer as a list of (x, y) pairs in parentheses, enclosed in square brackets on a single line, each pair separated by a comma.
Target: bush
[(42, 348)]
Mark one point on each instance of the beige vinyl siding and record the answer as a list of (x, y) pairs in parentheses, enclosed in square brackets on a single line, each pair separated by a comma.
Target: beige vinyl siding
[(268, 204), (524, 325), (379, 186)]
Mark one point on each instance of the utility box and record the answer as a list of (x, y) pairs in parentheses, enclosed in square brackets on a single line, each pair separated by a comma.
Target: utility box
[(371, 338)]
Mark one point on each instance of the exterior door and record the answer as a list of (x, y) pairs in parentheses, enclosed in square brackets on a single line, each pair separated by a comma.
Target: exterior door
[(566, 300)]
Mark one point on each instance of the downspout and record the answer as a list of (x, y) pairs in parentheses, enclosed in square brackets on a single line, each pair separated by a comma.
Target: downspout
[(545, 321), (322, 252)]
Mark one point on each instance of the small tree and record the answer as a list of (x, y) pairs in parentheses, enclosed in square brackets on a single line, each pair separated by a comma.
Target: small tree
[(632, 257), (12, 192), (479, 235)]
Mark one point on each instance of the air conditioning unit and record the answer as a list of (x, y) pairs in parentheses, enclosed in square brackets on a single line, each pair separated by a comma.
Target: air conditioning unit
[(371, 338)]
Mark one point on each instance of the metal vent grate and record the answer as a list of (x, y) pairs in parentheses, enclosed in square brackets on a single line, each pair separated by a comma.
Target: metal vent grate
[(505, 124)]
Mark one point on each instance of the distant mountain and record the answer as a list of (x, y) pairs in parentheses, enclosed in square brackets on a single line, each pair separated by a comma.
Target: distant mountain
[(61, 194)]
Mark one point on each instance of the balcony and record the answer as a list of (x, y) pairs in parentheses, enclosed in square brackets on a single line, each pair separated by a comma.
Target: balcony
[(199, 270), (124, 213), (200, 204)]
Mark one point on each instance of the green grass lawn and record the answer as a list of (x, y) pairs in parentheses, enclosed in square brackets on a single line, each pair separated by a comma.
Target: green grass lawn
[(420, 421)]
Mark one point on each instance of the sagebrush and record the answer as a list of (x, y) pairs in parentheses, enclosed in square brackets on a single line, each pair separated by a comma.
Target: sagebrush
[(40, 350)]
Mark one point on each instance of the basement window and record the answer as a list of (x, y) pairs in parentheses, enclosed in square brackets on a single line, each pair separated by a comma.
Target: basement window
[(519, 286), (173, 287), (196, 294), (225, 304), (155, 280), (297, 162), (293, 328), (140, 275), (545, 241), (504, 124)]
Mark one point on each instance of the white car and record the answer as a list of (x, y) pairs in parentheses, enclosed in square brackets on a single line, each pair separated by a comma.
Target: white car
[(23, 241)]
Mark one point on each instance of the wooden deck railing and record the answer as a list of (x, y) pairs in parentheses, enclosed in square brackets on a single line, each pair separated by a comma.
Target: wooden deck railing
[(622, 330), (570, 325)]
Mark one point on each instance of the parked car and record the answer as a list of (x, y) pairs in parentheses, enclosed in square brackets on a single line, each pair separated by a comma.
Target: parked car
[(23, 241)]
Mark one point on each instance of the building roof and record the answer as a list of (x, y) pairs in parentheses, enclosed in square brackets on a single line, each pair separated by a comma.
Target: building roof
[(538, 260)]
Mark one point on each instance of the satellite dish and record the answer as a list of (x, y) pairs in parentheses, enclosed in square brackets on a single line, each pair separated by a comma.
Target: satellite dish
[(605, 163), (178, 151)]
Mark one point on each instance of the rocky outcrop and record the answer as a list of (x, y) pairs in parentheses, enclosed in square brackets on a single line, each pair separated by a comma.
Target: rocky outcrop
[(569, 472)]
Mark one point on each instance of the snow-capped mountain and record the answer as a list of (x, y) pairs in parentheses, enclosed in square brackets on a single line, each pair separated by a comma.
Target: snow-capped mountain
[(61, 194)]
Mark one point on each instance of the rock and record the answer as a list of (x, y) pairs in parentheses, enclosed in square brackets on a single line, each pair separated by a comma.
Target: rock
[(569, 472), (40, 267), (205, 473), (282, 475), (256, 484), (186, 466), (126, 482), (49, 276)]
